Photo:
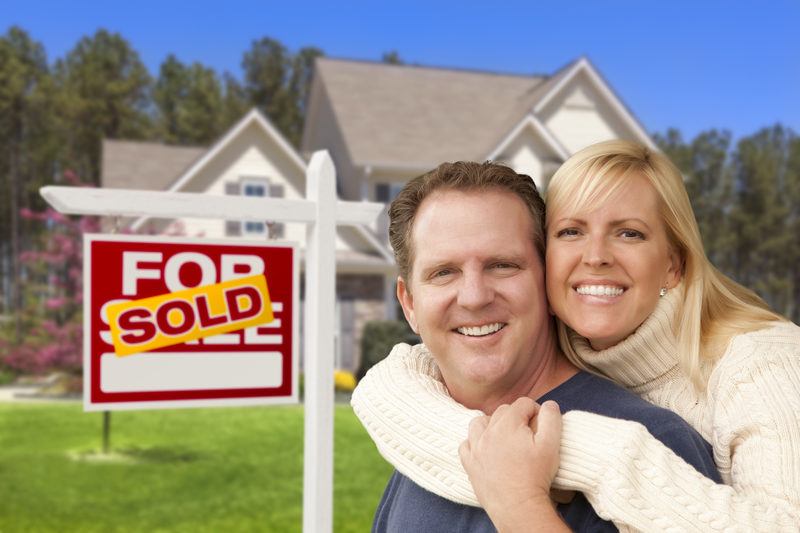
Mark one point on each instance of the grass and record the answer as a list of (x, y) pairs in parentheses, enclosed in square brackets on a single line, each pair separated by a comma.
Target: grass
[(220, 470)]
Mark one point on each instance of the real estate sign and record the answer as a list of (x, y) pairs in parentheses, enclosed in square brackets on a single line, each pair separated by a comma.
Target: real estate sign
[(179, 322)]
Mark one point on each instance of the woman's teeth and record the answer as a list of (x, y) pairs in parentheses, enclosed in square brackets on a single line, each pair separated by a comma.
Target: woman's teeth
[(600, 290)]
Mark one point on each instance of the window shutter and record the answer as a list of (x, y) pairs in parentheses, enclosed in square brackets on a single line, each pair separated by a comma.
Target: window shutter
[(382, 193), (233, 228), (277, 230)]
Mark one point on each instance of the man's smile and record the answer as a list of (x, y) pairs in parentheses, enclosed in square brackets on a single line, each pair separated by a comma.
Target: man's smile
[(481, 331)]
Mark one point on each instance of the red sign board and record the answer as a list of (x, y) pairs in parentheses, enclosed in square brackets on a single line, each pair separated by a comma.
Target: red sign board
[(160, 322)]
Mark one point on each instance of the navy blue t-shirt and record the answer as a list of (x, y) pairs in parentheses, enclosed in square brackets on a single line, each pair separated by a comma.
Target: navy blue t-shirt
[(405, 506)]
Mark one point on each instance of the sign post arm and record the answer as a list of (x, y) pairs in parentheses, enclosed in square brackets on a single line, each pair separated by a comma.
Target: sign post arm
[(320, 300)]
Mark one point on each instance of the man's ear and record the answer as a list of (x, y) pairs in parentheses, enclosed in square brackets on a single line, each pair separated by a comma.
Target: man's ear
[(407, 303)]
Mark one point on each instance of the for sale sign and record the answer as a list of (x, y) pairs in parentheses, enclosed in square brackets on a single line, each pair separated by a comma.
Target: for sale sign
[(177, 322)]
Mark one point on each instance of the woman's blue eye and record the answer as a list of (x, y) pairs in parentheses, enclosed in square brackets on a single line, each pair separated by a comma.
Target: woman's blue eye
[(632, 234), (567, 232)]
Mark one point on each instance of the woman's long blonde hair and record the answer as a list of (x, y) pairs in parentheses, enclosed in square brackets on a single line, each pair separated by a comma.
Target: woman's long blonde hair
[(714, 307)]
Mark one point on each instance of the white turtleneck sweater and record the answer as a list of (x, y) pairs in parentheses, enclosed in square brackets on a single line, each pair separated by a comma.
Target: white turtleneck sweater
[(750, 413)]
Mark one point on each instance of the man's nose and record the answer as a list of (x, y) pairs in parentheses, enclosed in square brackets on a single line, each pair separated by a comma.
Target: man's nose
[(476, 291), (596, 252)]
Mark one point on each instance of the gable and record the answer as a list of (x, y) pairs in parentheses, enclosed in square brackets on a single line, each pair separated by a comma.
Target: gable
[(581, 110), (530, 149)]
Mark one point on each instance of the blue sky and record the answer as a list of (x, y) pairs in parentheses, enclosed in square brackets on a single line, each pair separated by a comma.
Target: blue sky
[(693, 65)]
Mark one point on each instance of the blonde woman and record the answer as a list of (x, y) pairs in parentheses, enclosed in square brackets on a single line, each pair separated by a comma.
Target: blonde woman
[(692, 341)]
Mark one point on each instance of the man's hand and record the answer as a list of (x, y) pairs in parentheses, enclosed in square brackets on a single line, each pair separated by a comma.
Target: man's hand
[(511, 465)]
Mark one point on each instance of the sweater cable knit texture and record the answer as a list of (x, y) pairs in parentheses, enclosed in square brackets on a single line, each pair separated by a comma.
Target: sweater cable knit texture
[(750, 413)]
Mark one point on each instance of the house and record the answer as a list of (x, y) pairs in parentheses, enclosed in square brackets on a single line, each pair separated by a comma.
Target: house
[(253, 159), (382, 124)]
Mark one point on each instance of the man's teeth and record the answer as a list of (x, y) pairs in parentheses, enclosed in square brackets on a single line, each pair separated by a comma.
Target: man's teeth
[(600, 290), (479, 331)]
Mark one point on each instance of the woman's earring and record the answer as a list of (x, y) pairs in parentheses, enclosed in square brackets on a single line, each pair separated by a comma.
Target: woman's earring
[(663, 291)]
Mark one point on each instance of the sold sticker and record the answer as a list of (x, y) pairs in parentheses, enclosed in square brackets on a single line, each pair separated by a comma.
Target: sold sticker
[(177, 317)]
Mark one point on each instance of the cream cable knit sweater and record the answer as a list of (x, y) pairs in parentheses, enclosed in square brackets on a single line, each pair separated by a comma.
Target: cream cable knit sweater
[(750, 413)]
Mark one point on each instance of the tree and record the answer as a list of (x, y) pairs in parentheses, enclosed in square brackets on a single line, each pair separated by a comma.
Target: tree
[(392, 57), (266, 72), (234, 101), (53, 295), (277, 82), (759, 216), (792, 253), (105, 91), (27, 146), (189, 101), (168, 93), (703, 163), (300, 88)]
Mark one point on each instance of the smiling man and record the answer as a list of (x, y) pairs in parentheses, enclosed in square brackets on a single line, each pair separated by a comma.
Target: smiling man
[(469, 243)]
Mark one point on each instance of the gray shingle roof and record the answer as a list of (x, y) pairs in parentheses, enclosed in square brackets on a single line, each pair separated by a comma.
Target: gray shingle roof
[(141, 165), (397, 115)]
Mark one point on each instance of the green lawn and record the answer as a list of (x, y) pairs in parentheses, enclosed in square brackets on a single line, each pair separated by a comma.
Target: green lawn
[(220, 470)]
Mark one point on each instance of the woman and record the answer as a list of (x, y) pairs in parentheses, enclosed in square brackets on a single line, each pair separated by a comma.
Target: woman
[(692, 341)]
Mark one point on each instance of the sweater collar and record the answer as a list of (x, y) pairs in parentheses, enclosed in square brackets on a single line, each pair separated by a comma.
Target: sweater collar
[(648, 354)]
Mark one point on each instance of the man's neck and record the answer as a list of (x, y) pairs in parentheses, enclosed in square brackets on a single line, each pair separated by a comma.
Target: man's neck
[(552, 369)]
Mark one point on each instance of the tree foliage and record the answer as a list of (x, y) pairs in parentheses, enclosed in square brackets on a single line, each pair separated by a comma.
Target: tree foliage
[(52, 295), (104, 92), (277, 82), (747, 202), (27, 147), (190, 103)]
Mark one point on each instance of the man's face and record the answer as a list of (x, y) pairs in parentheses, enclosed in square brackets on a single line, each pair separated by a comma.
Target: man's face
[(476, 294)]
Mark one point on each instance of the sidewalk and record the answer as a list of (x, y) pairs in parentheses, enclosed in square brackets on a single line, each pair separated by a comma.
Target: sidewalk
[(29, 393)]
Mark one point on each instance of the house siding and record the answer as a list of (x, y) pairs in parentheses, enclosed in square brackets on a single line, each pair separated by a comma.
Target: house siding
[(580, 116)]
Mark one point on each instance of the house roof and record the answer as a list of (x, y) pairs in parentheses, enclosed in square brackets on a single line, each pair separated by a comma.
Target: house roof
[(139, 165), (143, 165), (390, 115)]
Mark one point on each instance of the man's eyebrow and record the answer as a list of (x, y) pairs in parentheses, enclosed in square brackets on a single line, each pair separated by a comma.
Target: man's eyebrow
[(424, 269)]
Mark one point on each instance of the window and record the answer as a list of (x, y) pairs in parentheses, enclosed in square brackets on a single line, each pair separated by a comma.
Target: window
[(386, 192), (254, 187), (257, 187)]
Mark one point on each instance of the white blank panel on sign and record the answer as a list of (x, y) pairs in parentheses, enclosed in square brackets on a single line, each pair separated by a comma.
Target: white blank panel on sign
[(176, 371)]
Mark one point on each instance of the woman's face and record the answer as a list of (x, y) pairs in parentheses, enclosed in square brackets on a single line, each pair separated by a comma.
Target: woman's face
[(606, 266)]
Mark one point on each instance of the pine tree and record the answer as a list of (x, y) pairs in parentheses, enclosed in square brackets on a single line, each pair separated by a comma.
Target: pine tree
[(26, 152), (105, 90), (190, 103), (759, 215)]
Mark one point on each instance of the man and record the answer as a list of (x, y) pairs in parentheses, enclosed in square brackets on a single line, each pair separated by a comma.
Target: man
[(469, 244)]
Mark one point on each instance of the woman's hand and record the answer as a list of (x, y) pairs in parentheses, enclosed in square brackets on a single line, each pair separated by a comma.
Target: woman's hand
[(511, 459)]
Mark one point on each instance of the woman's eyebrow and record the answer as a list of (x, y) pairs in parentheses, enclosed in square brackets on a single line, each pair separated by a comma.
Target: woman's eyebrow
[(623, 221)]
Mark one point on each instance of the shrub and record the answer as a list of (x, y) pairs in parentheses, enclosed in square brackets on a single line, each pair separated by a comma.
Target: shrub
[(344, 381), (378, 339)]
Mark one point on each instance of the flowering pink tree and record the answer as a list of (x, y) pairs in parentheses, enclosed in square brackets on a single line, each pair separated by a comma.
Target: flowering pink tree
[(53, 291)]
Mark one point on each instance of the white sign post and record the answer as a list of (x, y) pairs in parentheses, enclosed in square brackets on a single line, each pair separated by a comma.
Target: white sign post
[(322, 212)]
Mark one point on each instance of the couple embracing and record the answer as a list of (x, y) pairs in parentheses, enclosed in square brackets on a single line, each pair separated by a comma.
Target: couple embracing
[(587, 369)]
